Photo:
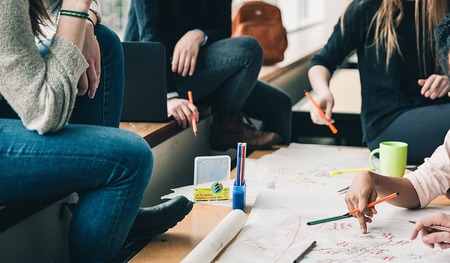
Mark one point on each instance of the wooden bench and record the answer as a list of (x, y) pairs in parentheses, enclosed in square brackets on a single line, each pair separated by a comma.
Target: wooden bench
[(286, 75), (303, 45)]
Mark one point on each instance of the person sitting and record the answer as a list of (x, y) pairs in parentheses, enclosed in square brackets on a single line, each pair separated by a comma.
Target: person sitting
[(417, 188), (223, 71), (402, 87), (54, 143)]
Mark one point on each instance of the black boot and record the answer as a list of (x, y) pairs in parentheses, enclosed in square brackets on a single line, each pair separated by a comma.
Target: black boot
[(154, 221), (228, 132)]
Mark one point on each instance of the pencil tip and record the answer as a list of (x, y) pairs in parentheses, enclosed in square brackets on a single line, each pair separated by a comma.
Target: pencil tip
[(195, 134)]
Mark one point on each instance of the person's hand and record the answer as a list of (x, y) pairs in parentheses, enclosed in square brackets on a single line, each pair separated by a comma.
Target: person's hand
[(360, 193), (435, 86), (325, 101), (185, 53), (90, 79), (431, 236), (182, 111)]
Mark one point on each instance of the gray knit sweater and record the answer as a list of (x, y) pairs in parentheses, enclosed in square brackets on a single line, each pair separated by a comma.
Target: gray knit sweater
[(42, 90)]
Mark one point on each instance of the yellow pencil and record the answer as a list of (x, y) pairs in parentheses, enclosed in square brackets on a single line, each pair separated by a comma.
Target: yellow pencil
[(351, 171)]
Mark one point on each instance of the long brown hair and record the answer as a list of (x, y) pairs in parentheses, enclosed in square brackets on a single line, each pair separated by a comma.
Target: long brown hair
[(39, 16), (389, 16)]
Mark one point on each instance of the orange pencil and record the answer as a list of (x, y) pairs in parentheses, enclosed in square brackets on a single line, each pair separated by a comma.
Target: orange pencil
[(194, 121), (376, 202), (332, 128), (349, 214)]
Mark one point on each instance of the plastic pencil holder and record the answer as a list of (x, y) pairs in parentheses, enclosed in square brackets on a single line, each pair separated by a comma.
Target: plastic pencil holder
[(239, 196)]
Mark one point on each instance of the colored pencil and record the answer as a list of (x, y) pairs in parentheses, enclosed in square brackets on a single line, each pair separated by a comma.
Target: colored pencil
[(193, 120), (439, 228), (351, 213), (322, 114), (388, 197), (329, 219), (351, 171), (306, 251)]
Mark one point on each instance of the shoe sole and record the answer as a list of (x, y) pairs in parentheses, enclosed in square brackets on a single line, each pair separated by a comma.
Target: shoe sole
[(169, 224)]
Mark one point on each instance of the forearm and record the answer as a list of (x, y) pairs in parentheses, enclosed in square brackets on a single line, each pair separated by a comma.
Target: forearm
[(73, 28), (319, 77), (386, 185)]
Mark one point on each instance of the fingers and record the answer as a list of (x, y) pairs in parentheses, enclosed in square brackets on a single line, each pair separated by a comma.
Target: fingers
[(363, 220), (441, 238), (182, 111), (431, 236), (192, 67), (83, 84), (185, 54), (93, 74), (193, 110), (435, 86)]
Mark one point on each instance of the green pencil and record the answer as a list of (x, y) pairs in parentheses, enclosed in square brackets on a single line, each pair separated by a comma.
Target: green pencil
[(334, 218)]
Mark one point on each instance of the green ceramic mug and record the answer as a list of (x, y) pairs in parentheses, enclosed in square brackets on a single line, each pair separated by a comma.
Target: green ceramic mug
[(392, 158)]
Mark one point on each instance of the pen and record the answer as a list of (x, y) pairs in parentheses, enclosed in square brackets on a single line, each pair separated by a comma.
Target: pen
[(440, 228), (351, 213), (332, 128), (194, 122), (351, 171), (306, 251)]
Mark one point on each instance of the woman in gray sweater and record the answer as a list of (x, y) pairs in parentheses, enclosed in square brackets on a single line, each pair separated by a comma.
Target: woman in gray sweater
[(42, 156)]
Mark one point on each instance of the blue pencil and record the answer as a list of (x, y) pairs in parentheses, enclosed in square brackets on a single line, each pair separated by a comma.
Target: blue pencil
[(238, 164)]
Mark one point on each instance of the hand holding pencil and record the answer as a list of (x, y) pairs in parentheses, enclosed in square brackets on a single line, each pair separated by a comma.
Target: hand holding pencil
[(435, 229), (193, 120), (321, 113)]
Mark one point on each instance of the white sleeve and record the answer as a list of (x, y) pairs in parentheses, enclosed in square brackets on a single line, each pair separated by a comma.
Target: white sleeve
[(432, 178)]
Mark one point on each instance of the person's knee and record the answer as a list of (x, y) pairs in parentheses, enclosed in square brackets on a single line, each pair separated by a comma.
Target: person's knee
[(133, 153), (108, 40), (249, 46)]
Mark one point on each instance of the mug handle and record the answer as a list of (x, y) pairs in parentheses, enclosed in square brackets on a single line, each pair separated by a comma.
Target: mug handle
[(372, 153)]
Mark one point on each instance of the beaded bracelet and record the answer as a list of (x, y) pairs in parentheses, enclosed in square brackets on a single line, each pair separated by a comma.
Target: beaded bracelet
[(72, 13)]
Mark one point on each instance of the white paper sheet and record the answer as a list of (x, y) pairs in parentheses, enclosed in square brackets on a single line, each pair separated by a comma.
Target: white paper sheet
[(276, 231), (300, 167)]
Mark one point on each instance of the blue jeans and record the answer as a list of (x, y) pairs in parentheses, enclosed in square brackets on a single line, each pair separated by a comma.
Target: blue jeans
[(109, 168), (226, 72)]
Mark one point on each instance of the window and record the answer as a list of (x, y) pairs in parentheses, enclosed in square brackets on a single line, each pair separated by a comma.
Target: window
[(296, 14), (115, 14)]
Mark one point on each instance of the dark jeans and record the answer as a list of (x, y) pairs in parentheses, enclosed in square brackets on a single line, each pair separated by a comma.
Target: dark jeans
[(423, 128), (226, 72), (108, 167)]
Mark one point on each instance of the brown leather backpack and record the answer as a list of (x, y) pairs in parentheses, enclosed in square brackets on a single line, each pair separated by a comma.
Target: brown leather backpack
[(262, 21)]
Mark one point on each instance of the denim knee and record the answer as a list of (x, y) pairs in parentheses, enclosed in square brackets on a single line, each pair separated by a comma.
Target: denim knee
[(133, 153), (107, 38), (249, 47)]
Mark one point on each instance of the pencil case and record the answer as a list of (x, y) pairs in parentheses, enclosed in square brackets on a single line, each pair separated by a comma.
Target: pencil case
[(239, 192)]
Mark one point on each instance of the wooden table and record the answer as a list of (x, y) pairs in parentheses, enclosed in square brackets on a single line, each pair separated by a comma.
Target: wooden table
[(179, 241), (176, 243)]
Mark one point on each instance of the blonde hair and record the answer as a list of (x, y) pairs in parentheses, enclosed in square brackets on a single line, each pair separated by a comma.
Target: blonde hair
[(388, 18)]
